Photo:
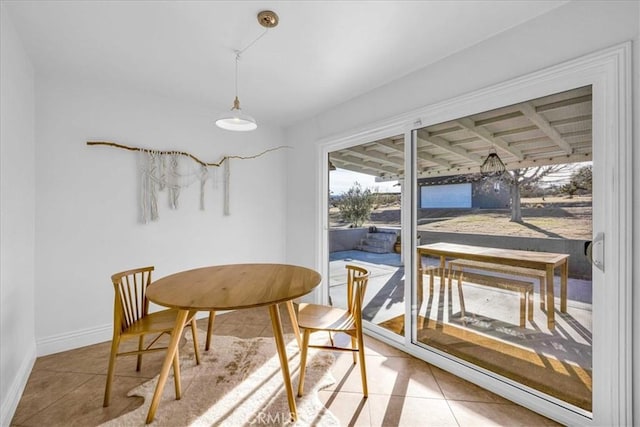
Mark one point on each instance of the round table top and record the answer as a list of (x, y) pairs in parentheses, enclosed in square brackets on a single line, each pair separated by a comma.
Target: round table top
[(233, 286)]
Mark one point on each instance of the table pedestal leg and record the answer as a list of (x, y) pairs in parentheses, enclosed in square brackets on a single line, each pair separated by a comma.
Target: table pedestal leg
[(284, 362), (181, 318)]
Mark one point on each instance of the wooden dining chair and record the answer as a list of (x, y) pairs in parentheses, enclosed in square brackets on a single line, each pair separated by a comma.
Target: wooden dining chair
[(131, 319), (314, 318)]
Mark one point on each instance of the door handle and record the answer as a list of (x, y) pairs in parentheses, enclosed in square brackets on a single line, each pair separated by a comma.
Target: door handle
[(595, 251)]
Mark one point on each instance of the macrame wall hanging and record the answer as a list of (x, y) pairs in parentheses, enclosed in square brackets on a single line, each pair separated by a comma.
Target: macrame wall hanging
[(172, 171)]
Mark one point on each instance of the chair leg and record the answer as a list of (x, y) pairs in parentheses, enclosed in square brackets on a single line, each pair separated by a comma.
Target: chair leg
[(176, 375), (212, 316), (140, 346), (530, 304), (194, 335), (542, 292), (303, 360), (363, 368), (354, 344), (115, 343)]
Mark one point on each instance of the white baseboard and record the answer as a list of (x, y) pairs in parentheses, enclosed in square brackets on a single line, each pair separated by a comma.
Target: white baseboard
[(12, 398), (74, 339), (81, 337)]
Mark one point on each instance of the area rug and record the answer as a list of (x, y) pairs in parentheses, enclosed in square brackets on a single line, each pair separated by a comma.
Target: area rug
[(238, 383)]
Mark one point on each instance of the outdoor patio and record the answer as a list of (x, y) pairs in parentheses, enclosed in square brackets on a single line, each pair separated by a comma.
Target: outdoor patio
[(558, 362)]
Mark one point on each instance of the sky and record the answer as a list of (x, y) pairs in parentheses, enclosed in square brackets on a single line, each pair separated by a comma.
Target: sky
[(340, 180)]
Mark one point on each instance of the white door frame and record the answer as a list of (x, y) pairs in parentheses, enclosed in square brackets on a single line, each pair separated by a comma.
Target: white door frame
[(609, 73)]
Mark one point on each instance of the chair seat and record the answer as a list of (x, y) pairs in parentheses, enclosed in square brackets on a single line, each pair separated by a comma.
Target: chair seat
[(314, 318), (159, 321), (132, 320), (321, 317)]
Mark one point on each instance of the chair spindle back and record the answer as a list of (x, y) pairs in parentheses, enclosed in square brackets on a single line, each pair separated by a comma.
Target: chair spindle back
[(131, 303), (357, 280)]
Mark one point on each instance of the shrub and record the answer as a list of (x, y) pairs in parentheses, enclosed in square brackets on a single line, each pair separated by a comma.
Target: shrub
[(356, 204)]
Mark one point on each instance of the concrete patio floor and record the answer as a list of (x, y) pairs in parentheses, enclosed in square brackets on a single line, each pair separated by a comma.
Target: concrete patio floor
[(489, 311)]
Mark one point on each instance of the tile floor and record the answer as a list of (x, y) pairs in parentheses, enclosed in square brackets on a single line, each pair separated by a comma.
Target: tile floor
[(66, 389)]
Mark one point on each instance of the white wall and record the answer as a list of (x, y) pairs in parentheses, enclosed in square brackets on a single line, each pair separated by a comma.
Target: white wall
[(17, 204), (572, 30), (87, 202)]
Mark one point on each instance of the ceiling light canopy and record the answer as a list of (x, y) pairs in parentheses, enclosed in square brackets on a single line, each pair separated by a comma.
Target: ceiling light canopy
[(235, 119)]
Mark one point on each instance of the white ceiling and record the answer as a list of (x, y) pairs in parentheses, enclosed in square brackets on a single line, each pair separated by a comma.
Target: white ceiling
[(322, 53)]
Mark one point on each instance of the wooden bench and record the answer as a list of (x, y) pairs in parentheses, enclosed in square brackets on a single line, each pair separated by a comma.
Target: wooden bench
[(461, 264), (524, 288)]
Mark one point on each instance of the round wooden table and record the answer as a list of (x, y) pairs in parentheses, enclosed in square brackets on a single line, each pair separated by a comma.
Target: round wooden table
[(231, 287)]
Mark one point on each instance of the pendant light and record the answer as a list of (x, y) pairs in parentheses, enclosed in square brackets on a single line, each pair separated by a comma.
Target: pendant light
[(236, 119), (492, 165)]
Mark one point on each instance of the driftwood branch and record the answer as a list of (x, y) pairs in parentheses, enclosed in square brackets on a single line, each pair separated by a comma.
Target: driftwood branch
[(184, 153)]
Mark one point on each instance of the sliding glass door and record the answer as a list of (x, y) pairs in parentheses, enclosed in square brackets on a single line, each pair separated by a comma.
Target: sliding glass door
[(484, 228), (504, 210), (365, 226)]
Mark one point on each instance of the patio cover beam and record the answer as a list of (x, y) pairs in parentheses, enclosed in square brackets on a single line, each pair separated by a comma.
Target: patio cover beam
[(366, 167), (530, 112), (446, 145), (487, 136)]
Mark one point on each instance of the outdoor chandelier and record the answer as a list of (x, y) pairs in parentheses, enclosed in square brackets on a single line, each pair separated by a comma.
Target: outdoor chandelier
[(236, 119), (492, 165)]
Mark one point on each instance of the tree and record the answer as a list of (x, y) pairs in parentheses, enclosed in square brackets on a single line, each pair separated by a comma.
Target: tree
[(581, 181), (520, 178), (356, 204)]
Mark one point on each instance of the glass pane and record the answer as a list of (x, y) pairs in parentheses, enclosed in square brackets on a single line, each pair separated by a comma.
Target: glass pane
[(504, 211), (365, 225)]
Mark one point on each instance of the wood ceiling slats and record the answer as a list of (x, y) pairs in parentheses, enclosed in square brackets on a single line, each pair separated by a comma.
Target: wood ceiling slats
[(564, 103), (549, 130)]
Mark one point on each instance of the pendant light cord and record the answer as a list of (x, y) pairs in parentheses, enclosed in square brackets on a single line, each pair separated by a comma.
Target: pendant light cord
[(237, 120), (241, 51), (237, 59)]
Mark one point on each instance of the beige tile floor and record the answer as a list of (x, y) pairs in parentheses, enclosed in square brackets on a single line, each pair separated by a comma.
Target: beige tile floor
[(66, 389)]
